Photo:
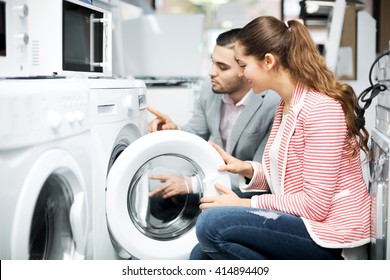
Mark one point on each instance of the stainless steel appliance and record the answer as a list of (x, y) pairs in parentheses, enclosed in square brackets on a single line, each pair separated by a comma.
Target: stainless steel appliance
[(379, 165)]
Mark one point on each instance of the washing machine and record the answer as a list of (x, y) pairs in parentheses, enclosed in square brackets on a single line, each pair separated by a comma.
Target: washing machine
[(143, 226), (117, 120), (45, 174)]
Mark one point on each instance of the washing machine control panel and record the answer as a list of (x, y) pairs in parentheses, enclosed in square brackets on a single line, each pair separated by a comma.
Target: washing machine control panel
[(117, 100), (67, 115), (36, 111), (134, 99), (142, 99)]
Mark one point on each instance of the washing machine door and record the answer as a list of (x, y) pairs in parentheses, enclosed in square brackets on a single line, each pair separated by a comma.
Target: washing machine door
[(146, 225), (51, 216)]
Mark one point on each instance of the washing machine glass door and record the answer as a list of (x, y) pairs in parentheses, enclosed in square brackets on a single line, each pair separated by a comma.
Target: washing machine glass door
[(153, 193), (50, 224), (51, 216)]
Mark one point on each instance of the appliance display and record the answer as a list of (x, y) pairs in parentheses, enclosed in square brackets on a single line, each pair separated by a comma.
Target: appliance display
[(379, 167), (144, 60), (118, 119), (45, 175), (55, 38), (150, 227), (379, 190)]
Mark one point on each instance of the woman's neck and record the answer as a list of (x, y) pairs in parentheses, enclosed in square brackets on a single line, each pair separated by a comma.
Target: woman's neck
[(285, 88)]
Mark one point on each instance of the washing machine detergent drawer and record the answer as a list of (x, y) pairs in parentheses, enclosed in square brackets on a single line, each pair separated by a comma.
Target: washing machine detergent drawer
[(379, 191)]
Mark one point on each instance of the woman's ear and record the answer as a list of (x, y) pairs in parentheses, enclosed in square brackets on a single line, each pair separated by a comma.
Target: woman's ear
[(269, 60)]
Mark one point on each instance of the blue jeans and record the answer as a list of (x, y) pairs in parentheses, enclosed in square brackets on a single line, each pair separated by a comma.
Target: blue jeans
[(232, 233)]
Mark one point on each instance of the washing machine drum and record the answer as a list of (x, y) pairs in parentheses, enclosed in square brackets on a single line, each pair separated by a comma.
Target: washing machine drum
[(145, 222)]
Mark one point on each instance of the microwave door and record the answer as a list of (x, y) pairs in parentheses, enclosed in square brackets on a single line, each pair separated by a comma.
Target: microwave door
[(3, 37), (77, 38), (97, 57), (86, 40)]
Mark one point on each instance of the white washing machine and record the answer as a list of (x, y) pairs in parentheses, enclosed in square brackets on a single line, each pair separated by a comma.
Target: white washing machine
[(45, 173), (145, 227), (118, 119)]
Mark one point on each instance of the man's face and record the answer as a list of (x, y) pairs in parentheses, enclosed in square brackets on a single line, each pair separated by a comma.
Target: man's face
[(224, 72)]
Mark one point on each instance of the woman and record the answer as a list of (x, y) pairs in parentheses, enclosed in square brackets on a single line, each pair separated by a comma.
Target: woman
[(319, 206)]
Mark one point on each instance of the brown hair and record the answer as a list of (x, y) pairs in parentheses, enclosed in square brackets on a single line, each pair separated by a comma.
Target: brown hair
[(297, 53)]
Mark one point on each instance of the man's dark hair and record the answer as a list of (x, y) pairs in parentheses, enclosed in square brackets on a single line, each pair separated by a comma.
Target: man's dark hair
[(228, 38)]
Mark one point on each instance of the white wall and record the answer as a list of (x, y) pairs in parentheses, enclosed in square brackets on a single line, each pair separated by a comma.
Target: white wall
[(176, 102)]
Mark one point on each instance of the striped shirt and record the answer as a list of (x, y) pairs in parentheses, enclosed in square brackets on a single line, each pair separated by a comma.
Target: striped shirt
[(320, 180)]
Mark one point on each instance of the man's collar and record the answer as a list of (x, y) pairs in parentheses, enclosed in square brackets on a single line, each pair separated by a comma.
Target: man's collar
[(244, 100)]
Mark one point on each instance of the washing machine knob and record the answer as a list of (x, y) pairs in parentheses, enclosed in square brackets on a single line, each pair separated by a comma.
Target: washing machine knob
[(21, 39), (70, 116), (128, 102), (54, 119), (21, 10), (79, 115)]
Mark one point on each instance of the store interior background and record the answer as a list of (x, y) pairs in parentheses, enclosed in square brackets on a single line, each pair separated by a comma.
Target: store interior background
[(219, 15), (168, 43)]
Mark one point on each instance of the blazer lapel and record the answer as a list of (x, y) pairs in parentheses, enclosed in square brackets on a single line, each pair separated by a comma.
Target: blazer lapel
[(252, 104), (214, 124)]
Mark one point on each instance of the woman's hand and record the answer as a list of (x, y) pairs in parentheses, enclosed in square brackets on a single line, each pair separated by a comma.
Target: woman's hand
[(233, 164), (227, 198)]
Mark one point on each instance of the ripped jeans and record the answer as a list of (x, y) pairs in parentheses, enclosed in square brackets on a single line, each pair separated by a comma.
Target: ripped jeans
[(232, 233)]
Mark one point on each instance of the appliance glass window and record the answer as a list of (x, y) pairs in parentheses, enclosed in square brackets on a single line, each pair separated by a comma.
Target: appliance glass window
[(3, 45), (51, 234), (165, 218), (78, 26), (120, 145)]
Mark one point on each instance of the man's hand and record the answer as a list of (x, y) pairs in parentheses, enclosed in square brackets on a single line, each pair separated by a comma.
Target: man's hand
[(171, 185), (161, 122)]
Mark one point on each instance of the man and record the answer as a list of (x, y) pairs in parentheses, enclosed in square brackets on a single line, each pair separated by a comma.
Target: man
[(232, 116)]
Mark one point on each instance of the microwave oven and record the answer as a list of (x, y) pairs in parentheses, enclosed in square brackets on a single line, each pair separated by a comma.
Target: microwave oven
[(54, 38)]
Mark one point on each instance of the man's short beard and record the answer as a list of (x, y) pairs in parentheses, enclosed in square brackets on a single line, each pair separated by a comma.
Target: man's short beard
[(237, 86), (218, 91)]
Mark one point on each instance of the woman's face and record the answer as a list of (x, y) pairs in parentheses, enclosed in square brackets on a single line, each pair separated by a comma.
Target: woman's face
[(253, 70)]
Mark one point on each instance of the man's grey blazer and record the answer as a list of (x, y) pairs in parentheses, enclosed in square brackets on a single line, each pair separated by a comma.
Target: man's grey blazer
[(250, 132)]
